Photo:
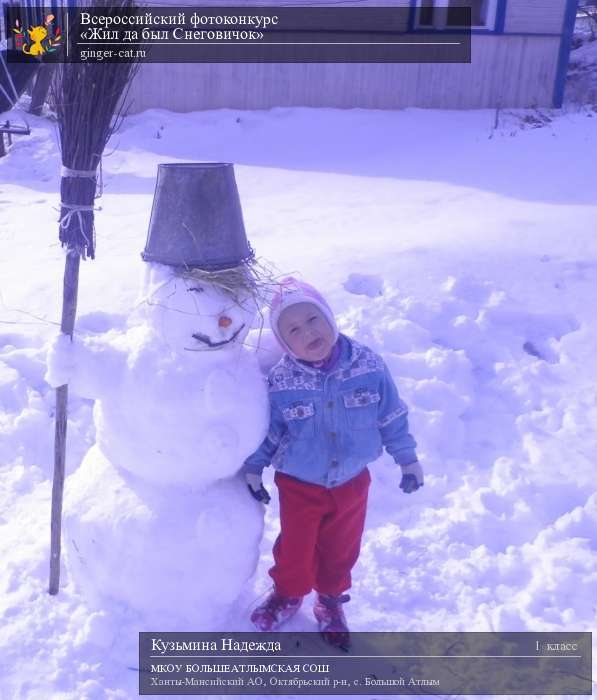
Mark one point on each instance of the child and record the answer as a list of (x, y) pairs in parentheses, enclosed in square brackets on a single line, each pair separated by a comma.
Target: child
[(333, 405)]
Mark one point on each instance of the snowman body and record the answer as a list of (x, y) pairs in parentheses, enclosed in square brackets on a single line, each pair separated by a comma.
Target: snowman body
[(156, 516)]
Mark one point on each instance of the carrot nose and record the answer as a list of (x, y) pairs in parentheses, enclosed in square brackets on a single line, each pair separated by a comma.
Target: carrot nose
[(224, 321)]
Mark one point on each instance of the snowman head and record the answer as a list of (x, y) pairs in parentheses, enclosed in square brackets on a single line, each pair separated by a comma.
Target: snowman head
[(193, 315)]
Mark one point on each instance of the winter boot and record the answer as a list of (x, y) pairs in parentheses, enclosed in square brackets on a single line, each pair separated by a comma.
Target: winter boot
[(330, 616), (274, 612)]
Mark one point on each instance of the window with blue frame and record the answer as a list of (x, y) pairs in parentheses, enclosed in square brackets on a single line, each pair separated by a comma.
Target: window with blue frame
[(448, 14)]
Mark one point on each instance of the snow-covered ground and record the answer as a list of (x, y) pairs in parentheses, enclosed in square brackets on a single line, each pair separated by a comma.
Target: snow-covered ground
[(462, 250)]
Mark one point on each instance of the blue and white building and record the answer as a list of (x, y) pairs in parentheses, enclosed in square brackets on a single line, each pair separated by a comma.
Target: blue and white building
[(519, 57)]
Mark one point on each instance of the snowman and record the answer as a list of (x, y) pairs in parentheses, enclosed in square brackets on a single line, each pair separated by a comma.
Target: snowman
[(156, 517)]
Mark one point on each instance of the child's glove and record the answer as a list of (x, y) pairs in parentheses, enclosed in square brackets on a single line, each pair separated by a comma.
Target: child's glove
[(412, 477), (256, 488)]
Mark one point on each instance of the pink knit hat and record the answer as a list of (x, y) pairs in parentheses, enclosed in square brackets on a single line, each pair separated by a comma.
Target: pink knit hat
[(291, 291)]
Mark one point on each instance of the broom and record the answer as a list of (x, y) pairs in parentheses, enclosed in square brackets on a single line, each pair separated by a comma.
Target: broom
[(86, 98)]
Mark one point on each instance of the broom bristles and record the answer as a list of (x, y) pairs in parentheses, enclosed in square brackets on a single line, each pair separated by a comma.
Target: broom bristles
[(90, 105)]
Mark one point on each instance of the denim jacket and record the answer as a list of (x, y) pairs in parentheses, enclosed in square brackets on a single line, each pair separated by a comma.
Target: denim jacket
[(326, 427)]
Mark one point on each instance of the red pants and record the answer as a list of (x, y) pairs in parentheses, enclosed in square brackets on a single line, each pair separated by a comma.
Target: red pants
[(320, 535)]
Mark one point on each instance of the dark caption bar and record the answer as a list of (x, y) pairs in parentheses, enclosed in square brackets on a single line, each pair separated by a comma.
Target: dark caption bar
[(422, 663), (244, 35)]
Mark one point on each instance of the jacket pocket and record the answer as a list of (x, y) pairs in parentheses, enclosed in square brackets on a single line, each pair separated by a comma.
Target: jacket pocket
[(300, 419), (361, 406)]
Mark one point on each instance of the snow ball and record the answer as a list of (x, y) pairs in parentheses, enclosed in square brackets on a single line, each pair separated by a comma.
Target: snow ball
[(158, 551), (192, 315), (174, 418)]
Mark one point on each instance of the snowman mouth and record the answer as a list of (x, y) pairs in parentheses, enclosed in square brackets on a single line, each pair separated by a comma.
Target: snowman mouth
[(202, 338)]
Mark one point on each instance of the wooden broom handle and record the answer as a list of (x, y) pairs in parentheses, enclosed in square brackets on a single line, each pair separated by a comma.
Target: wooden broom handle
[(69, 311)]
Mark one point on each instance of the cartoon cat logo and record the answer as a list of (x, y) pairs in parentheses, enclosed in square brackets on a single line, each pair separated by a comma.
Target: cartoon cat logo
[(40, 39)]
